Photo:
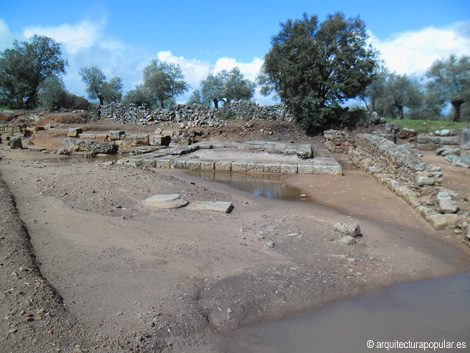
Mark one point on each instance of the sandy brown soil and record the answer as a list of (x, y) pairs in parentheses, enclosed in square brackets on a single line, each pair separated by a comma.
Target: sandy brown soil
[(116, 276)]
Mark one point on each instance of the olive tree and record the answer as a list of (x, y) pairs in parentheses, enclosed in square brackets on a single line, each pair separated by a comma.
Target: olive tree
[(26, 66), (163, 82), (314, 67)]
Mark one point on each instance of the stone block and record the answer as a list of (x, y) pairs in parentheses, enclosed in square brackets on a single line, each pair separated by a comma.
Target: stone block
[(223, 166), (87, 136), (178, 163), (465, 139), (255, 167), (306, 168), (159, 140), (441, 221), (289, 168), (449, 140), (15, 143), (426, 139), (272, 168), (207, 165), (446, 203), (74, 132), (151, 163), (163, 163), (211, 206), (193, 164), (426, 147), (239, 167), (116, 135)]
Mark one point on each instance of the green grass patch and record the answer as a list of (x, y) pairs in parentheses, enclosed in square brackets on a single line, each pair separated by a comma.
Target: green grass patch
[(4, 107), (431, 125)]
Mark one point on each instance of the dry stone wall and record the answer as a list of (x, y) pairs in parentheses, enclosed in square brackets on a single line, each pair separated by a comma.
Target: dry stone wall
[(401, 169), (192, 115)]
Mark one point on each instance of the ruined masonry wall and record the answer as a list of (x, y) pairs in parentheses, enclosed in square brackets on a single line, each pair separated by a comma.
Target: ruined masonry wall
[(191, 115), (400, 168)]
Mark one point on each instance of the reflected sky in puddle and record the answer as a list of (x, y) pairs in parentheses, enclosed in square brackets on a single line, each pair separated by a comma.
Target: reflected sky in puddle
[(434, 310), (266, 185)]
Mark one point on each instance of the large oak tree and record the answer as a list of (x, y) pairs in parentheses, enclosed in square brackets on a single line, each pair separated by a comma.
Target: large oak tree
[(314, 67)]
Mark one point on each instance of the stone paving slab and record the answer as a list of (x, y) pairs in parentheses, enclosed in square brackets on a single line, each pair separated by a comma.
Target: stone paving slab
[(211, 206), (231, 160)]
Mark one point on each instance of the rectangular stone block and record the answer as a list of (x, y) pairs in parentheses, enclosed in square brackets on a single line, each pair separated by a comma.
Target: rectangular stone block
[(159, 140), (116, 135), (141, 140), (74, 132), (207, 165), (306, 169), (272, 167), (163, 163), (223, 166), (426, 147), (151, 163), (239, 167), (465, 140), (289, 168), (193, 164), (87, 136), (424, 139), (178, 164), (449, 140), (254, 167)]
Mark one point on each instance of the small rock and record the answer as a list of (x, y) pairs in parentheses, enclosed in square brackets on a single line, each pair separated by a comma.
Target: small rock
[(348, 240), (351, 229), (270, 244), (165, 201)]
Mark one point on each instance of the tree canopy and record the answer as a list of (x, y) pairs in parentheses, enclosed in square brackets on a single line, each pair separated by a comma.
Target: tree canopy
[(449, 81), (26, 66), (226, 86), (314, 67), (163, 82), (97, 86)]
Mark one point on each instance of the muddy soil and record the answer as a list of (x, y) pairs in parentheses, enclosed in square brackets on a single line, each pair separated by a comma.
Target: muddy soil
[(99, 272)]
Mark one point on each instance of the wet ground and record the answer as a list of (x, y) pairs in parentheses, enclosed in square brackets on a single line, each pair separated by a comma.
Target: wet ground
[(433, 312)]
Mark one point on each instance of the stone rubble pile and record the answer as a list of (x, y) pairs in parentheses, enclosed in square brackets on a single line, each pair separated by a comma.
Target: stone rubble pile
[(251, 110), (338, 141), (419, 183)]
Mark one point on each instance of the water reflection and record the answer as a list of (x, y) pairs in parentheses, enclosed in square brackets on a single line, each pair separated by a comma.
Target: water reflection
[(266, 185), (435, 310)]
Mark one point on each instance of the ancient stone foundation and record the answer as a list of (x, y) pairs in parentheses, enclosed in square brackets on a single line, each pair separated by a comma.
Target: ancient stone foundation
[(400, 168)]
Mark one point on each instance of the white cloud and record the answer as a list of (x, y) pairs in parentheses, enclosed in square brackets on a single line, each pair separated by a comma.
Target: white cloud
[(195, 71), (6, 38), (414, 52)]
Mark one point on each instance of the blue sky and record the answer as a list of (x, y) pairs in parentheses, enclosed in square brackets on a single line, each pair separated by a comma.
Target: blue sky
[(122, 37)]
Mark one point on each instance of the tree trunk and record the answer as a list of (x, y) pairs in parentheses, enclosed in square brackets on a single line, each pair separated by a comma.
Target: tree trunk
[(400, 112), (456, 105), (216, 103)]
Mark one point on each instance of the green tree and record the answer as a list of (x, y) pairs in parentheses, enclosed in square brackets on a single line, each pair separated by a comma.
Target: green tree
[(374, 96), (24, 67), (97, 86), (52, 93), (449, 81), (226, 86), (163, 82), (137, 96), (212, 89), (112, 90), (196, 98), (403, 92), (316, 67)]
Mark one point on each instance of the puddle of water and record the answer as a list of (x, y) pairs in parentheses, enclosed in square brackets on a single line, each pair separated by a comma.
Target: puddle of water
[(435, 310), (267, 185)]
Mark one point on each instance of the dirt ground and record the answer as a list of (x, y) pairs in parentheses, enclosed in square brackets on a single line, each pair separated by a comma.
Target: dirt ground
[(87, 268)]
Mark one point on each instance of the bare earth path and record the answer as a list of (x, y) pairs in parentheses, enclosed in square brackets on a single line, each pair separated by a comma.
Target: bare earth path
[(146, 280)]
